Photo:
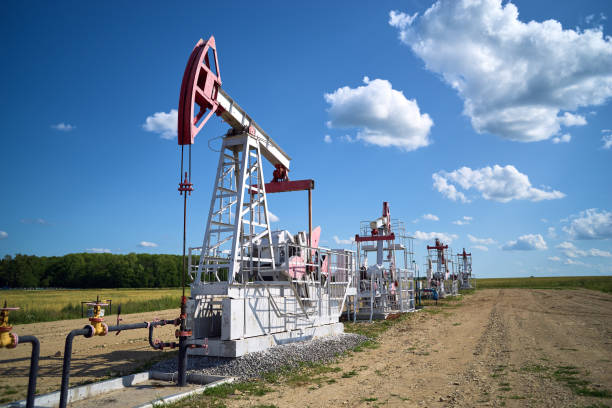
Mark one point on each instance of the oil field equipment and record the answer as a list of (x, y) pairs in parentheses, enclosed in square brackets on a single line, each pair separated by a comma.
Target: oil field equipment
[(11, 340), (386, 286), (252, 288), (464, 269), (439, 267)]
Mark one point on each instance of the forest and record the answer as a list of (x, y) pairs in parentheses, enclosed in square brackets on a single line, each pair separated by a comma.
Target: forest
[(87, 270)]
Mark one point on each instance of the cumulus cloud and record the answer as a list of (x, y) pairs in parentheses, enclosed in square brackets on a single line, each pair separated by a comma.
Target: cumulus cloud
[(430, 217), (552, 233), (382, 114), (99, 250), (3, 235), (327, 139), (527, 242), (63, 127), (147, 244), (520, 81), (431, 236), (483, 241), (590, 224), (273, 217), (339, 241), (496, 183), (463, 221), (481, 247), (554, 258), (163, 123), (562, 139), (570, 250), (606, 139)]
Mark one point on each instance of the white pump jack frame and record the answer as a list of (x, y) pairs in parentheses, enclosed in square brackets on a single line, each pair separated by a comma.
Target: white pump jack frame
[(242, 297)]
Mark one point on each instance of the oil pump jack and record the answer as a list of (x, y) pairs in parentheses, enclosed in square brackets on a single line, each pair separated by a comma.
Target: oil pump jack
[(252, 288), (464, 269), (387, 286), (437, 267)]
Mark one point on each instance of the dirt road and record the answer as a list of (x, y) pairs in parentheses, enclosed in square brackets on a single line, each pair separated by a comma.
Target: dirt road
[(92, 359), (513, 348)]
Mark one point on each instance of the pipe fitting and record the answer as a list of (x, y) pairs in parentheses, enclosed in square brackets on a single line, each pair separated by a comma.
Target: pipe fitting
[(8, 340)]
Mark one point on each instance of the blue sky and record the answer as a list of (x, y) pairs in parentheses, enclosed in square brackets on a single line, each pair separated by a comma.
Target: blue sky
[(462, 113)]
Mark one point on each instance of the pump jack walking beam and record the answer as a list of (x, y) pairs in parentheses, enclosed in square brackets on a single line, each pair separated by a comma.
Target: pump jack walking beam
[(201, 88), (202, 95)]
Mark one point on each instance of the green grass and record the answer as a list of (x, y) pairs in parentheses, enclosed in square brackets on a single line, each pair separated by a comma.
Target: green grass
[(599, 283), (568, 375), (349, 374), (62, 304)]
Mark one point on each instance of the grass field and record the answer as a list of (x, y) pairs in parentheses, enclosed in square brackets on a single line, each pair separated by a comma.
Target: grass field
[(53, 304), (600, 283)]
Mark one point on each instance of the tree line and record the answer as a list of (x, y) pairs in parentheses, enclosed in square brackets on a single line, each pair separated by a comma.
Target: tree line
[(86, 270)]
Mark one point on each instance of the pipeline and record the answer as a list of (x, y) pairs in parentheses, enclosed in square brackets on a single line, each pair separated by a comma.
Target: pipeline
[(34, 357), (87, 331), (158, 344)]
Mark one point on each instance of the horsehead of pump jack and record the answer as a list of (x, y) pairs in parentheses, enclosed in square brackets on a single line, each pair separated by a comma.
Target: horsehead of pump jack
[(252, 287)]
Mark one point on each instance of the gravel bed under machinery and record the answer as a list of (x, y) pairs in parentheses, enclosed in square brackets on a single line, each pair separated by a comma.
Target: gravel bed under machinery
[(254, 365)]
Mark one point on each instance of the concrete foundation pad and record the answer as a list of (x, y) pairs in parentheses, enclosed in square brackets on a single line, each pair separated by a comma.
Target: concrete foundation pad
[(239, 347)]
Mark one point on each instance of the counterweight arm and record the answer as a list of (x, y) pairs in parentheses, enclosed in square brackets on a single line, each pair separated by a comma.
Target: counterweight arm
[(201, 96)]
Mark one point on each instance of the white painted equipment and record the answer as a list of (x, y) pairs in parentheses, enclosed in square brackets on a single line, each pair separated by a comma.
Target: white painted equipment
[(253, 288), (387, 286), (440, 270), (464, 269)]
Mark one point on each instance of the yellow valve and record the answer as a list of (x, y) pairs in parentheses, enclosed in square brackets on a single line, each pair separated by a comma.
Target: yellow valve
[(97, 321), (7, 339)]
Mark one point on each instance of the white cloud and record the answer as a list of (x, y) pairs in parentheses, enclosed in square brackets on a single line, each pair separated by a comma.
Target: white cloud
[(99, 250), (552, 233), (339, 241), (517, 80), (63, 127), (147, 244), (430, 217), (481, 247), (430, 236), (448, 190), (570, 250), (3, 234), (483, 241), (569, 261), (562, 139), (382, 114), (463, 221), (496, 183), (527, 242), (607, 141), (327, 139), (591, 224), (599, 252), (39, 221), (569, 119), (163, 123), (554, 258), (273, 217)]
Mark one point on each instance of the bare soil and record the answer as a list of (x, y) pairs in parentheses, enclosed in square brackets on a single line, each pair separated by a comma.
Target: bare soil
[(496, 347), (93, 359)]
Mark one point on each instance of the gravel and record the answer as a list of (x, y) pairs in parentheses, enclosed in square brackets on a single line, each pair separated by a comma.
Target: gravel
[(254, 365)]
